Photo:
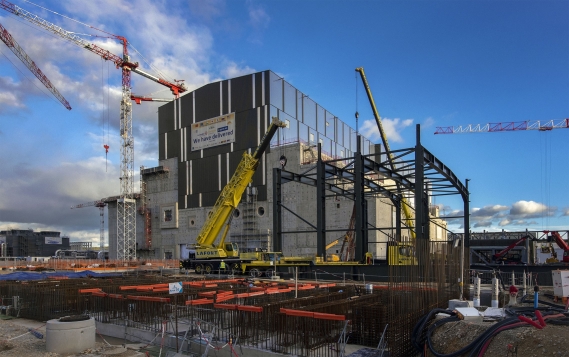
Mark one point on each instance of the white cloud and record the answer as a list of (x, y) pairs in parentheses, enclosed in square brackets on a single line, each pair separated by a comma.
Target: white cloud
[(391, 127), (429, 122), (487, 211), (258, 17), (520, 215), (531, 209), (232, 70), (505, 222), (43, 196), (482, 224)]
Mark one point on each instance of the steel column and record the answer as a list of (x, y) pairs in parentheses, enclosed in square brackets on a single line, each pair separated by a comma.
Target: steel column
[(320, 206), (277, 211)]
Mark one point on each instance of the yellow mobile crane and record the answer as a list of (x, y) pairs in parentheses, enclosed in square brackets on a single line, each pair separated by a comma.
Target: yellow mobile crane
[(399, 253), (211, 247), (208, 253)]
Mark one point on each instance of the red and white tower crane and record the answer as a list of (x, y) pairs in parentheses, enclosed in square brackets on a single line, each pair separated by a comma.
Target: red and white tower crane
[(138, 99), (23, 56), (101, 205), (126, 204), (505, 126)]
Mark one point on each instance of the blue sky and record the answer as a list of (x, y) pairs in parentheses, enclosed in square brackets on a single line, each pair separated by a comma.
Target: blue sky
[(433, 63)]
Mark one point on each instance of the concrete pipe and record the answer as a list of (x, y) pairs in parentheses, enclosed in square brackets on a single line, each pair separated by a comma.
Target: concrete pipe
[(71, 334)]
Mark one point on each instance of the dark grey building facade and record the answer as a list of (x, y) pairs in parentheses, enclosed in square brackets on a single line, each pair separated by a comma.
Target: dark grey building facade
[(27, 243), (202, 137)]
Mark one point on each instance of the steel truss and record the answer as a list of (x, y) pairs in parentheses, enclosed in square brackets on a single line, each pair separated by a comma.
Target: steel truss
[(418, 172)]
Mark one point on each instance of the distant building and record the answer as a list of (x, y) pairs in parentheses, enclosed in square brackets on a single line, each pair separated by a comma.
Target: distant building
[(81, 246), (27, 243)]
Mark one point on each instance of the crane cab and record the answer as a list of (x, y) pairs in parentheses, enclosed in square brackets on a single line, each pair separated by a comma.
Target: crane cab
[(231, 250)]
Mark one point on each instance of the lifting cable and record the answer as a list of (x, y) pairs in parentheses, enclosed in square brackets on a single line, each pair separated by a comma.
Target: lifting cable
[(357, 113), (545, 186), (105, 113)]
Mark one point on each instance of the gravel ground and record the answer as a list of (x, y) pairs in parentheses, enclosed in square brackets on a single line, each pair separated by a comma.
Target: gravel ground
[(552, 340), (15, 341)]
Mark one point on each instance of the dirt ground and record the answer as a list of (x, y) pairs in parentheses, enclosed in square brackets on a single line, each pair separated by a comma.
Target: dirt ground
[(16, 341), (552, 340)]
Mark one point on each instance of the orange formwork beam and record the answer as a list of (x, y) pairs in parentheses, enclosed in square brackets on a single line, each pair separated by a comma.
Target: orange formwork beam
[(199, 302), (249, 308), (92, 290), (147, 298), (220, 298), (316, 315)]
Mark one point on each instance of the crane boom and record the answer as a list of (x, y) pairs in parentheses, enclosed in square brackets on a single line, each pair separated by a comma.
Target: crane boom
[(503, 252), (231, 194), (120, 62), (98, 203), (23, 56), (101, 205), (126, 204), (404, 203), (139, 99), (505, 126)]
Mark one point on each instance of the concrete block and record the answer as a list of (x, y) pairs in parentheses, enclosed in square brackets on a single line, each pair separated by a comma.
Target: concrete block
[(469, 314)]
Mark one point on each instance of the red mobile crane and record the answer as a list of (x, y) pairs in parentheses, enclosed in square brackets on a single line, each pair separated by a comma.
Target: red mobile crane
[(500, 256), (554, 235), (126, 205)]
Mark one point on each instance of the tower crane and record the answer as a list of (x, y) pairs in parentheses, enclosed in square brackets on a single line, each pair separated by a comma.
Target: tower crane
[(505, 126), (391, 159), (101, 205), (23, 56), (138, 99), (126, 204)]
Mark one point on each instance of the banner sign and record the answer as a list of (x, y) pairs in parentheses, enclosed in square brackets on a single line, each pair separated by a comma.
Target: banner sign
[(53, 240), (213, 132), (175, 288)]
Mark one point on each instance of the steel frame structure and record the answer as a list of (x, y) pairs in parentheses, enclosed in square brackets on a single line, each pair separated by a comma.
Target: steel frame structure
[(418, 172)]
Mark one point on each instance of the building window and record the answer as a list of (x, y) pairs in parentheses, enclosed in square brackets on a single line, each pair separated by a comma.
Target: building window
[(236, 213), (261, 211)]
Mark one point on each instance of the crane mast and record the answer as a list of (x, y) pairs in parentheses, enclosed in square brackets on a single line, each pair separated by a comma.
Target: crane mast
[(126, 204), (404, 203), (23, 56)]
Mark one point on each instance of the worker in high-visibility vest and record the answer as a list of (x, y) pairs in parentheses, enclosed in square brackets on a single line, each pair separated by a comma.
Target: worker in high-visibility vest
[(222, 265)]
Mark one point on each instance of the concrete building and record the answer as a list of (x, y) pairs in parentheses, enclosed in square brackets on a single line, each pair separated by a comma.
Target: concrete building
[(195, 164), (27, 243)]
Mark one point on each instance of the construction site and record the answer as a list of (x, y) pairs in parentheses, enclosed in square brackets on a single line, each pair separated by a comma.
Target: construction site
[(271, 227)]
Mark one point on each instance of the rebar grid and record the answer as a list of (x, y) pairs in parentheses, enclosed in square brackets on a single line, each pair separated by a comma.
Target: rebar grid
[(263, 321)]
